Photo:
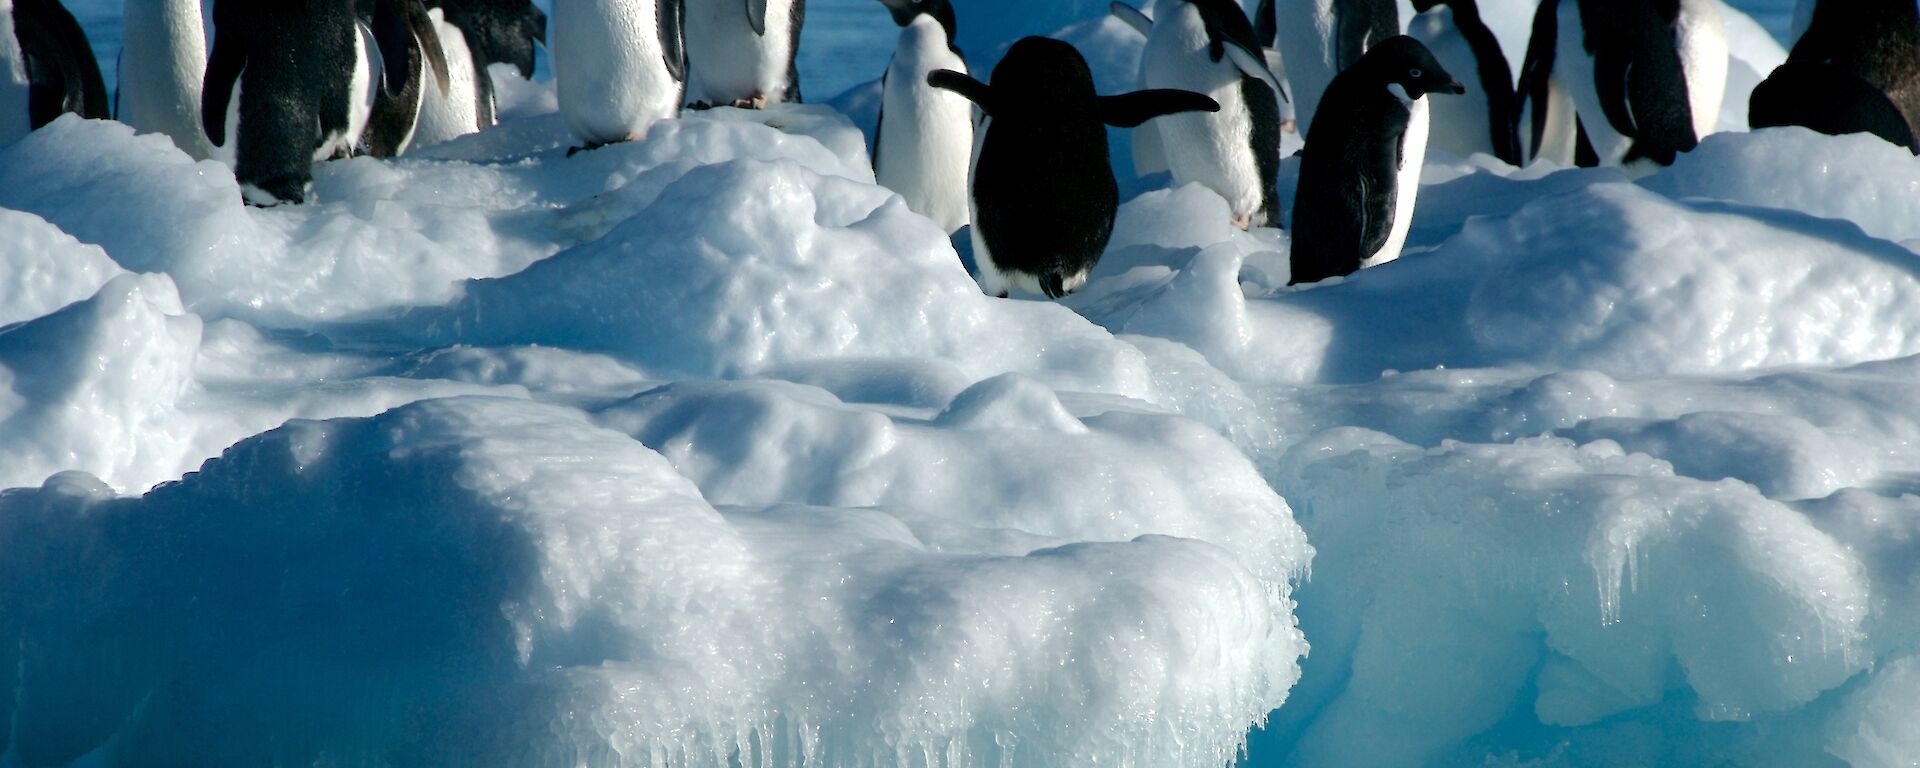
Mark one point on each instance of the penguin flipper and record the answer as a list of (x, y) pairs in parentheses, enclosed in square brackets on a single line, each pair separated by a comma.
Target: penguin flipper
[(429, 40), (1255, 66), (394, 38), (224, 66), (1536, 72), (757, 16), (970, 89), (880, 118), (1829, 100), (1610, 72), (672, 47), (1128, 110), (1131, 16)]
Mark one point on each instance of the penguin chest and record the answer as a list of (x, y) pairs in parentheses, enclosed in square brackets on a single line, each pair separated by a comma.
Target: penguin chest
[(1412, 150), (1216, 150), (925, 143), (609, 69), (457, 111)]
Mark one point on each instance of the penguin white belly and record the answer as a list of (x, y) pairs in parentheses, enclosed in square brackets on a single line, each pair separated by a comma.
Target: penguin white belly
[(364, 91), (15, 122), (1214, 150), (1304, 34), (1573, 67), (1558, 138), (1460, 124), (608, 69), (457, 112), (1702, 40), (926, 135), (162, 64), (727, 62), (1406, 186)]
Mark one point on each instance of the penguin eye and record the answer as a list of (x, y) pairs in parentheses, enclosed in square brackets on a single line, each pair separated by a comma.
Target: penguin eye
[(1414, 73)]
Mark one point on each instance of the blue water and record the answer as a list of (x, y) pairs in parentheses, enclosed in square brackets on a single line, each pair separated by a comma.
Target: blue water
[(845, 42)]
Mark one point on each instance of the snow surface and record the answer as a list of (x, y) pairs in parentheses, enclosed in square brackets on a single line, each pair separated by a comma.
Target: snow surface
[(704, 450)]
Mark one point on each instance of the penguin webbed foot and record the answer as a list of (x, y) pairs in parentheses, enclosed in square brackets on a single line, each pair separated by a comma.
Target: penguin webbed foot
[(700, 106), (1243, 222), (591, 146)]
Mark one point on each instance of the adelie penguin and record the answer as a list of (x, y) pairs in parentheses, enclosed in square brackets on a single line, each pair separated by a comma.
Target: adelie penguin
[(1042, 193), (48, 69), (1486, 119), (1208, 47), (619, 66), (1358, 180), (1855, 69), (162, 61), (290, 83), (925, 136), (475, 34), (741, 52), (1644, 78), (1320, 39)]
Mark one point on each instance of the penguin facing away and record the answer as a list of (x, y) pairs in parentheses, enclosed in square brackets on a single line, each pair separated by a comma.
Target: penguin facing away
[(1321, 38), (1855, 69), (162, 61), (475, 34), (289, 83), (56, 63), (497, 31), (924, 138), (741, 52), (618, 66), (1208, 47), (14, 120), (1042, 192), (410, 52), (1354, 204), (1487, 118)]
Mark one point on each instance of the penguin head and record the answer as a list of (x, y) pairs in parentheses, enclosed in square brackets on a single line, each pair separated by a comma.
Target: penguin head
[(905, 11), (1041, 72), (1403, 62)]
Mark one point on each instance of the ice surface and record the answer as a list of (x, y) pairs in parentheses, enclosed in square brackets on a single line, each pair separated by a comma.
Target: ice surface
[(704, 450)]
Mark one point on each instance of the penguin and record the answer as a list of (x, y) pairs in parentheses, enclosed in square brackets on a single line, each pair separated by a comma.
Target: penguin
[(741, 52), (1041, 190), (289, 83), (1208, 47), (618, 66), (1486, 119), (475, 34), (49, 71), (409, 52), (1645, 78), (1354, 203), (1321, 38), (1855, 69), (162, 61), (923, 150)]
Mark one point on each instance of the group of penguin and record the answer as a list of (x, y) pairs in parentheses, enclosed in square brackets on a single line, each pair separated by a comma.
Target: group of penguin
[(1021, 159)]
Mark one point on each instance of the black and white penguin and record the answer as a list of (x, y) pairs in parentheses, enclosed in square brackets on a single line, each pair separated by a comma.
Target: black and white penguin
[(289, 83), (924, 136), (49, 69), (1486, 119), (1208, 47), (1855, 69), (475, 34), (742, 54), (618, 66), (1358, 181), (1042, 192), (410, 53), (1645, 77), (163, 58), (1321, 38)]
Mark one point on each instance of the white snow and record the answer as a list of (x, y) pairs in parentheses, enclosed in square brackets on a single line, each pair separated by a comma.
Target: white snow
[(705, 450)]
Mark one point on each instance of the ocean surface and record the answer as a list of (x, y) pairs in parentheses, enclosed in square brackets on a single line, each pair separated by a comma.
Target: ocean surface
[(845, 42)]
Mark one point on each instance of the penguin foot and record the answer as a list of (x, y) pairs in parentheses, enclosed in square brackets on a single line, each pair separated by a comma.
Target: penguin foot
[(1243, 221), (1289, 126), (758, 101), (592, 145), (700, 106)]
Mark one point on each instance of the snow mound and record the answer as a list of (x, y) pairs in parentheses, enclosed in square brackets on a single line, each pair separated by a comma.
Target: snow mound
[(1858, 177), (43, 269)]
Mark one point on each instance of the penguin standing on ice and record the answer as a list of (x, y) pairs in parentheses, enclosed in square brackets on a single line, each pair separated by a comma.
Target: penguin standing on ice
[(1042, 192), (1645, 78), (925, 136), (162, 61), (618, 66), (1486, 119), (742, 53), (1321, 38), (289, 83), (1208, 47), (475, 34), (49, 68), (409, 53), (1358, 181), (1855, 69)]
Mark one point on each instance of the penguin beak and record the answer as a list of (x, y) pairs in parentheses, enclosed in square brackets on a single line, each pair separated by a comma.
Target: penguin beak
[(1454, 87)]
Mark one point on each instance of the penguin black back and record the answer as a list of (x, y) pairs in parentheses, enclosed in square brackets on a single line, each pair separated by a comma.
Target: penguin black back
[(498, 31), (293, 62), (1343, 210), (62, 74), (1638, 76), (1857, 68), (1496, 78)]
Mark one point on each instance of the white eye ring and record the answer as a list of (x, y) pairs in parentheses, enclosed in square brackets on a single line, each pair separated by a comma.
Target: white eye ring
[(1413, 72)]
